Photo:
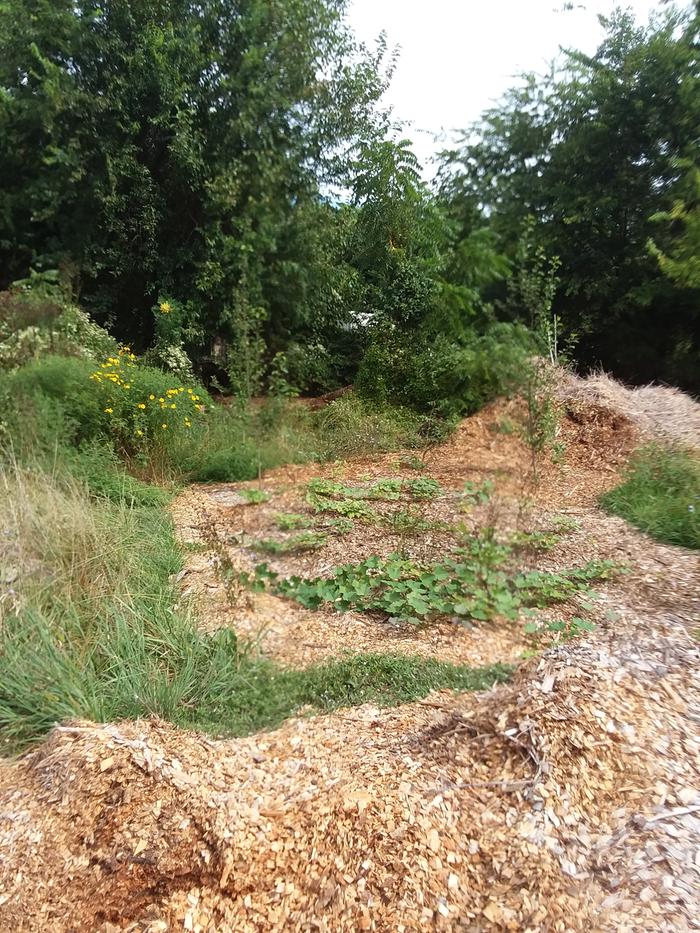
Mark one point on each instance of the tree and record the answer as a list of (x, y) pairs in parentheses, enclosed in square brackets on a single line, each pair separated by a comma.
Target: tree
[(177, 147), (681, 261), (593, 151)]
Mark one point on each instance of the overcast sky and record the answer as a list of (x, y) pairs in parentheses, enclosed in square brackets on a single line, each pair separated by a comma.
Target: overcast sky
[(457, 56)]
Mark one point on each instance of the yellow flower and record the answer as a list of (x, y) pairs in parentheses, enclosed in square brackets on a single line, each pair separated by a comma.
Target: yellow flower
[(173, 405), (152, 397), (161, 399), (163, 425), (141, 405), (108, 410), (139, 432), (166, 307)]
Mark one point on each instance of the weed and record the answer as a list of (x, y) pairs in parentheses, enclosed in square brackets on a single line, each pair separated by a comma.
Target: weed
[(254, 496), (469, 585), (564, 524), (565, 630), (304, 541), (340, 526), (411, 521), (504, 426), (535, 540), (291, 521), (349, 509), (411, 462), (424, 487), (476, 493), (558, 452), (541, 421)]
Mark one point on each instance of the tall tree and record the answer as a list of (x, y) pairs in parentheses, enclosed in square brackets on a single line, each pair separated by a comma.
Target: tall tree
[(593, 150)]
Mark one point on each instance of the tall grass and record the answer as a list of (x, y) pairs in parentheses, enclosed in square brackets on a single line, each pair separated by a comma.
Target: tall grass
[(660, 494)]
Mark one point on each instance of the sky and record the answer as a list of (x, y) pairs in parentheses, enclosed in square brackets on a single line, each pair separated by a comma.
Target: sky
[(458, 56)]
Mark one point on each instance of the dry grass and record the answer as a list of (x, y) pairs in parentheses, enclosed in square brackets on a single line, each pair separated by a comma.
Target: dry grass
[(661, 412), (58, 545)]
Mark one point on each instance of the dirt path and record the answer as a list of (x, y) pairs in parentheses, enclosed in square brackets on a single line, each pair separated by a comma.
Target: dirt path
[(566, 800)]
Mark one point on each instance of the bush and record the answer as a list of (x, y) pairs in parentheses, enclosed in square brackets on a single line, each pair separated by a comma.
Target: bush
[(442, 376), (351, 426), (33, 325), (139, 411), (661, 495)]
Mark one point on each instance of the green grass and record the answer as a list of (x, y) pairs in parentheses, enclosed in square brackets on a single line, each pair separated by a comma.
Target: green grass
[(660, 494)]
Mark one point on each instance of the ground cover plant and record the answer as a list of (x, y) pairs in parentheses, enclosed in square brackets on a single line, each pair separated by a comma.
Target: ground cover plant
[(472, 583), (660, 494), (303, 541)]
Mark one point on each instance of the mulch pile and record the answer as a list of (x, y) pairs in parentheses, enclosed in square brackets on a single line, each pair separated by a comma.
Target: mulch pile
[(567, 800)]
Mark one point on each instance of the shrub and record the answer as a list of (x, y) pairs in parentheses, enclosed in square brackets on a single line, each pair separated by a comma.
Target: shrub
[(661, 495), (33, 326), (437, 374), (351, 426)]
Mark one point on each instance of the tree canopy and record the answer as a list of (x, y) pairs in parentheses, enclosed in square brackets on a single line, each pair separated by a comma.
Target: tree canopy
[(595, 151)]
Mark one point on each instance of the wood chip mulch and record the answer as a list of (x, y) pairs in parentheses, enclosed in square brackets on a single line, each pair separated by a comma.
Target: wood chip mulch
[(567, 800)]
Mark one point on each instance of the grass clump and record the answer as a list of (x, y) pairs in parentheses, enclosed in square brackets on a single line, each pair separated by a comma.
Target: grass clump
[(660, 494), (291, 521)]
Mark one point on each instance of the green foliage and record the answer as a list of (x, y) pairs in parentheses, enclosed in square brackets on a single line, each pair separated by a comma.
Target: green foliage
[(290, 521), (350, 509), (469, 585), (437, 374), (661, 495), (351, 426), (564, 630), (682, 263), (304, 541), (540, 423), (423, 487), (254, 496), (532, 290), (410, 521), (535, 540), (34, 323), (595, 150), (477, 493), (246, 364), (180, 149)]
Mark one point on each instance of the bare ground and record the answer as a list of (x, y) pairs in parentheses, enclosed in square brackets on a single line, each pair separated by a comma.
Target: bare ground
[(566, 800)]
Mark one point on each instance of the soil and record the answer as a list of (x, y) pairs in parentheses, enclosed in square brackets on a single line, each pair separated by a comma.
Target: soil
[(566, 800)]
